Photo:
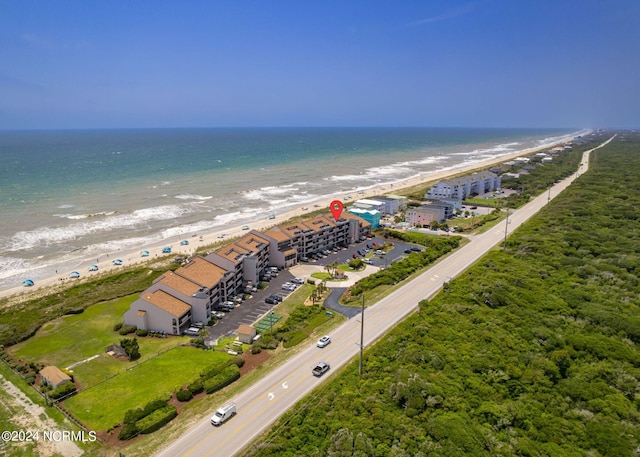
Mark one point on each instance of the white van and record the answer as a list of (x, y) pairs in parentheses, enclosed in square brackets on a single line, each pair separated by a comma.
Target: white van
[(224, 413)]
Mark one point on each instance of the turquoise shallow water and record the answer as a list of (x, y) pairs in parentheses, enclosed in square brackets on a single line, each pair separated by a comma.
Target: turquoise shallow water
[(66, 195)]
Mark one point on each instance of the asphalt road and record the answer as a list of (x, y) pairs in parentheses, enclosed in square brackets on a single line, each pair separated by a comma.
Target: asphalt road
[(263, 402)]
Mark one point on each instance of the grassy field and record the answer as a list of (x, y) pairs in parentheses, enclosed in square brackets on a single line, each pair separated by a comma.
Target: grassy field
[(71, 339), (75, 338), (104, 405)]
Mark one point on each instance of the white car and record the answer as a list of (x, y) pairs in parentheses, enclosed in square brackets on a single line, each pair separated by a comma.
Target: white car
[(297, 281), (322, 342), (245, 227)]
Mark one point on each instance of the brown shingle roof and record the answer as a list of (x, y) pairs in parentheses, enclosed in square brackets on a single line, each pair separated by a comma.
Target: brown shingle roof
[(348, 215), (202, 272), (320, 222), (252, 242), (179, 283), (166, 302), (278, 234), (295, 228), (54, 375), (233, 252)]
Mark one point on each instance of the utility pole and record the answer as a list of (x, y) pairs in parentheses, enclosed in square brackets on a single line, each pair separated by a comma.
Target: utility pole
[(361, 333)]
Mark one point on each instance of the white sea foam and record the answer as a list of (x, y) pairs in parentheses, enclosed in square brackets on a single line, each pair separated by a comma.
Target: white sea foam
[(192, 205), (193, 197), (48, 236), (11, 266), (265, 193)]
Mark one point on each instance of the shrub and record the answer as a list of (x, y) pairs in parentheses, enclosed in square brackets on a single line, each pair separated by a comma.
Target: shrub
[(30, 378), (141, 332), (196, 387), (134, 415), (255, 349), (117, 327), (74, 311), (223, 379), (184, 395), (126, 329), (239, 361), (128, 431), (62, 390), (210, 371), (293, 338), (156, 419)]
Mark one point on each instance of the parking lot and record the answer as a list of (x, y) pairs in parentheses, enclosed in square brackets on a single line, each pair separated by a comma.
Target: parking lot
[(254, 308)]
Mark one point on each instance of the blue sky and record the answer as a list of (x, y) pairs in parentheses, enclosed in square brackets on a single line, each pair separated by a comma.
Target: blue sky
[(489, 63)]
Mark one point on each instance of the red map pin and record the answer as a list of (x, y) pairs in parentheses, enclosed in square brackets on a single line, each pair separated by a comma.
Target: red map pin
[(336, 208)]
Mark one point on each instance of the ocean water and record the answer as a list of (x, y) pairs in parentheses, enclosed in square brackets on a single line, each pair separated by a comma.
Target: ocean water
[(66, 196)]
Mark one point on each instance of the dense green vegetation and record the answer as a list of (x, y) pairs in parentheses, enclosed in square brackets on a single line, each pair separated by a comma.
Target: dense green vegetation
[(20, 321), (532, 352)]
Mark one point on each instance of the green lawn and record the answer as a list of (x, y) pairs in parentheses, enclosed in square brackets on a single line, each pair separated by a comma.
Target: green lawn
[(77, 337), (104, 405), (72, 338)]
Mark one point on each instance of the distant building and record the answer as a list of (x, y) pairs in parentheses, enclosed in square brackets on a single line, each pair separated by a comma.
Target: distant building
[(246, 333), (368, 204), (428, 214), (372, 216), (393, 204), (463, 187)]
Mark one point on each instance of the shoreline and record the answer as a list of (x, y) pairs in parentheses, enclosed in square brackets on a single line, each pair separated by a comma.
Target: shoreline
[(198, 240)]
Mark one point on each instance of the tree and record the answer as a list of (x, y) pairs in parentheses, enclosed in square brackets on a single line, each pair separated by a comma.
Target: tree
[(131, 347)]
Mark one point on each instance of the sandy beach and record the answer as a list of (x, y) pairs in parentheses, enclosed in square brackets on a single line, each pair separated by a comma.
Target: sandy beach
[(198, 240)]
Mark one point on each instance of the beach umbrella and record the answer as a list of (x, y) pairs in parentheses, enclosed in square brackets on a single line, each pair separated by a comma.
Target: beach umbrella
[(93, 268), (144, 253), (28, 283), (74, 274), (117, 261), (184, 242), (166, 250)]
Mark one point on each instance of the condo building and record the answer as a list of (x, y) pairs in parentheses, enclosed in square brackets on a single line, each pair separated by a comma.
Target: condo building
[(179, 298)]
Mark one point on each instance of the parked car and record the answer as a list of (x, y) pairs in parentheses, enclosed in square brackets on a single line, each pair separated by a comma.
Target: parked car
[(217, 314), (270, 300), (192, 331), (324, 341), (297, 281), (198, 325), (226, 306)]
